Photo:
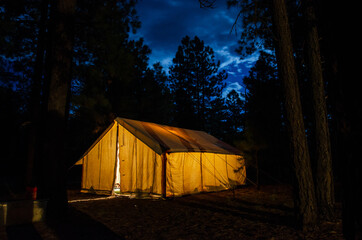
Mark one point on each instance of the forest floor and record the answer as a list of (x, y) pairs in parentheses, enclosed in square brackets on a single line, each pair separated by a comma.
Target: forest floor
[(246, 213)]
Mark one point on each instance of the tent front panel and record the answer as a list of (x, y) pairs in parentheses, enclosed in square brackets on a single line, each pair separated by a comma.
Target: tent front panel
[(193, 172), (195, 161), (99, 164), (140, 166)]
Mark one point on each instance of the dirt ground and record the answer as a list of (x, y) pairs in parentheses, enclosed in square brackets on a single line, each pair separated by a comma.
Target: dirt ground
[(246, 213)]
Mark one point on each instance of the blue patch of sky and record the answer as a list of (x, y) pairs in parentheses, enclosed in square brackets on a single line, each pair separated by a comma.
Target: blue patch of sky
[(165, 23)]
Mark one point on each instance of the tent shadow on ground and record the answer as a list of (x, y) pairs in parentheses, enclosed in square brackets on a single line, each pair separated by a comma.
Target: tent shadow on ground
[(78, 225), (22, 231), (269, 206), (265, 213)]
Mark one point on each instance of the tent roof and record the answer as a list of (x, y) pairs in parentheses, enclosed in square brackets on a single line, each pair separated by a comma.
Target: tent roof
[(162, 138)]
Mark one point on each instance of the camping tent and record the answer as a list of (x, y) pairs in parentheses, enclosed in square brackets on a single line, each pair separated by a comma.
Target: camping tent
[(141, 157)]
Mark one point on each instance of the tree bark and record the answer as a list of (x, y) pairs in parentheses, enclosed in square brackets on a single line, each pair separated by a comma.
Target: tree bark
[(54, 162), (305, 203), (324, 173)]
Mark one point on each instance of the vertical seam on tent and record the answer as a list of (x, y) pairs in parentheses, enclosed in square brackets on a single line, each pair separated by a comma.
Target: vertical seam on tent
[(147, 168), (122, 161), (131, 160), (130, 167), (214, 171), (140, 166), (183, 175), (227, 172), (116, 164), (100, 163), (149, 156), (154, 171), (122, 136), (86, 173), (136, 160), (202, 177), (163, 174), (172, 187)]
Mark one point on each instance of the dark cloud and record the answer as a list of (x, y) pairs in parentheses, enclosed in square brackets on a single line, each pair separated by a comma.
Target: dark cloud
[(165, 23)]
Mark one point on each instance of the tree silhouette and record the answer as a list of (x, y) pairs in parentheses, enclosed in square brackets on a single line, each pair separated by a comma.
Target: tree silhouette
[(112, 72), (264, 125), (195, 83)]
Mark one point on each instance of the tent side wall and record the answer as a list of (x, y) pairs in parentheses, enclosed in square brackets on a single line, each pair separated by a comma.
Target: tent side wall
[(193, 172), (99, 164), (140, 166)]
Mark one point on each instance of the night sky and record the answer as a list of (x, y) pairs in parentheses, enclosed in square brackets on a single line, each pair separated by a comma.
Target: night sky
[(166, 22)]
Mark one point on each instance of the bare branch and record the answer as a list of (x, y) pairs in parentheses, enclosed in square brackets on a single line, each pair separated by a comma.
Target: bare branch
[(233, 27), (207, 3)]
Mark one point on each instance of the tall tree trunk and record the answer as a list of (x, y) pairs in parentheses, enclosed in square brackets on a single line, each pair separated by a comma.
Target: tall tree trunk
[(305, 203), (324, 173), (54, 164), (345, 98), (349, 118), (349, 135), (35, 98)]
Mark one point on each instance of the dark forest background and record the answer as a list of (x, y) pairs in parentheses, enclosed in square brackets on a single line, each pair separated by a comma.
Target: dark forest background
[(108, 75)]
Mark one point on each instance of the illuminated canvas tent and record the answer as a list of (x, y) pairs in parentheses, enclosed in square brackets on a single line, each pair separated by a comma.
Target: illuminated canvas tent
[(141, 157)]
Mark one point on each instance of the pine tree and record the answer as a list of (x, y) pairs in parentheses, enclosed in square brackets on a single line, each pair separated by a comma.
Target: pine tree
[(195, 82), (112, 73), (264, 129), (104, 61)]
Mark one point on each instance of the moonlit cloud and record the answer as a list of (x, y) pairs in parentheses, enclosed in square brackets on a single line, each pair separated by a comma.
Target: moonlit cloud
[(232, 86), (166, 62), (232, 59)]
